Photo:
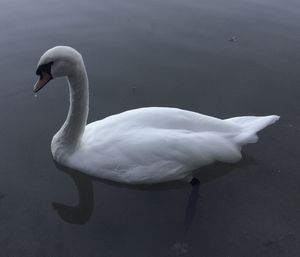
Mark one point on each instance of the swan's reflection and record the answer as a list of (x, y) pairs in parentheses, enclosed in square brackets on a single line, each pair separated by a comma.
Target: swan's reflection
[(82, 212)]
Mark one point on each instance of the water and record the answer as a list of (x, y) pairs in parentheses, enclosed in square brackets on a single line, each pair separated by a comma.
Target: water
[(152, 53)]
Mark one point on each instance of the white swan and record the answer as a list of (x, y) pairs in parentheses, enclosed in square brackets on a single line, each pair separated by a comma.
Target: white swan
[(141, 146)]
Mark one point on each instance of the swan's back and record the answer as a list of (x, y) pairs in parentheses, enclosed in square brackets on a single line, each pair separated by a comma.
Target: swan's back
[(164, 118)]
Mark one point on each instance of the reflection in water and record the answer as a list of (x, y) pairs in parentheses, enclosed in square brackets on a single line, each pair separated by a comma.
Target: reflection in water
[(82, 212), (208, 174), (191, 206)]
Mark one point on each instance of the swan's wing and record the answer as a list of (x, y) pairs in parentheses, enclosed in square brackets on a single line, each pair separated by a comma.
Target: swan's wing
[(152, 155)]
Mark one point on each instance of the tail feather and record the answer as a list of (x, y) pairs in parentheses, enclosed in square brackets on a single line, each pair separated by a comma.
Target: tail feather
[(250, 126)]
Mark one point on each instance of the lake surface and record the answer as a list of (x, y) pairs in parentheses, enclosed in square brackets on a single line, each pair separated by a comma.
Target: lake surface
[(222, 59)]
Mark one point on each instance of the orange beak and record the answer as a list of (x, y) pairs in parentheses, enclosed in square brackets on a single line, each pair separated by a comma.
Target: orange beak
[(42, 81)]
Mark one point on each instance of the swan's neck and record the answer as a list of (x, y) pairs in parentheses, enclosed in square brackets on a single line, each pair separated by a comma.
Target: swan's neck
[(68, 138)]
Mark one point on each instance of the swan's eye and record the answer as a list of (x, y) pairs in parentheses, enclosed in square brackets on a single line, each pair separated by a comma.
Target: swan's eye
[(45, 68)]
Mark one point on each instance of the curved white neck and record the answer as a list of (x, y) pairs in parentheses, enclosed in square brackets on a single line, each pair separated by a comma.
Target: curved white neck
[(69, 136)]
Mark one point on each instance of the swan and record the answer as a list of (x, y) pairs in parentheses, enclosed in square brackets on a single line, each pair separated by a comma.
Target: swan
[(141, 146)]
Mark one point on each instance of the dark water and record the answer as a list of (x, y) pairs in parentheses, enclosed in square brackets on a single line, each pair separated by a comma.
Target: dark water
[(219, 58)]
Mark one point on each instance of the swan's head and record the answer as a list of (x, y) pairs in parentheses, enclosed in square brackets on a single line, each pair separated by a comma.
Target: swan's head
[(58, 61)]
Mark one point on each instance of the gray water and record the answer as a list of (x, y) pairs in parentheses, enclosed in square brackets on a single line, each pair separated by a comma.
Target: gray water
[(221, 58)]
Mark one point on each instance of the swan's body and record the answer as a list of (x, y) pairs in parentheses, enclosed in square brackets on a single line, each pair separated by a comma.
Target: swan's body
[(146, 145)]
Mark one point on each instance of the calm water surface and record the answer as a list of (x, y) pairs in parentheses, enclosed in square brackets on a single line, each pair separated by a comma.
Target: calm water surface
[(223, 59)]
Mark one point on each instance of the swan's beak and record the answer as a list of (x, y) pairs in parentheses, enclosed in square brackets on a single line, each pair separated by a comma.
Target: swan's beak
[(42, 81)]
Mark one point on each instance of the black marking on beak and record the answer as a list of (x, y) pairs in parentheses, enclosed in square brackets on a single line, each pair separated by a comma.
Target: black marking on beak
[(45, 68)]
